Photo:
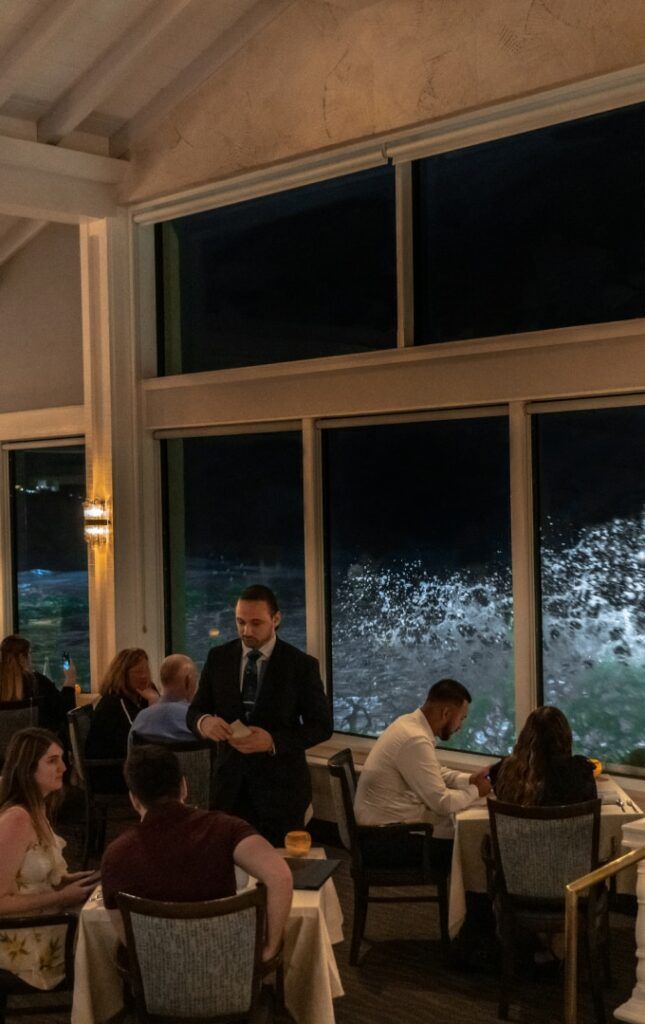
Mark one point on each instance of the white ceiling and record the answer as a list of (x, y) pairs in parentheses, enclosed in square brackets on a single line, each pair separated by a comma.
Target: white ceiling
[(111, 69)]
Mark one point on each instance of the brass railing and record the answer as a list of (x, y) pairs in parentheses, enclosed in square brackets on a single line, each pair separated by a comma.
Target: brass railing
[(573, 890)]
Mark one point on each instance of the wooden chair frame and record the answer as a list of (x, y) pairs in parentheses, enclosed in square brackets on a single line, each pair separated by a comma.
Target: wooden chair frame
[(365, 876), (185, 747), (32, 704), (96, 805), (539, 913), (11, 984), (255, 897)]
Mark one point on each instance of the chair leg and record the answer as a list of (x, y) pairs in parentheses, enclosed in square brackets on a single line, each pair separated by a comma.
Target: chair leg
[(88, 832), (442, 895), (101, 832), (595, 970), (279, 989), (507, 940), (360, 916)]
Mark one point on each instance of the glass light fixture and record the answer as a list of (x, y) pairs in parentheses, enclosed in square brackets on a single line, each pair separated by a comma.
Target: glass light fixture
[(98, 522)]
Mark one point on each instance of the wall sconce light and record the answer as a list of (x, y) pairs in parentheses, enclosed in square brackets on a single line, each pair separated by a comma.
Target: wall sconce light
[(98, 523)]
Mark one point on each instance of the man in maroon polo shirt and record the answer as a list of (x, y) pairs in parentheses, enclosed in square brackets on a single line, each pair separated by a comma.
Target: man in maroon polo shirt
[(178, 853)]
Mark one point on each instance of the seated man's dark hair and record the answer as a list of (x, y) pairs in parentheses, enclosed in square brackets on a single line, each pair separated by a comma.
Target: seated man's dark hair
[(258, 592), (448, 691), (153, 774)]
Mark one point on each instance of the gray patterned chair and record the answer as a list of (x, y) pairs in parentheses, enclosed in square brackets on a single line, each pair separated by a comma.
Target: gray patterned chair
[(197, 961), (197, 760), (536, 852), (15, 715), (98, 806), (356, 838)]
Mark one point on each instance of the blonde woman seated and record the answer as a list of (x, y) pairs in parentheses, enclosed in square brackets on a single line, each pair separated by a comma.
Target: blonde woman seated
[(542, 770), (126, 688), (33, 872)]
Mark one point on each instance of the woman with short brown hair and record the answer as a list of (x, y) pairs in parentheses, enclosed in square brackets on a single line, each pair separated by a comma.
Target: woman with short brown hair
[(126, 688)]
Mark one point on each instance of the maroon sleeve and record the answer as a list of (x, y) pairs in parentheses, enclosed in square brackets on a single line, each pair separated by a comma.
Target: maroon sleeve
[(240, 830), (113, 878)]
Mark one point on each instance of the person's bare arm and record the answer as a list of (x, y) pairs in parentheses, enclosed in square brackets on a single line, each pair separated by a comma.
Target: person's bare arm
[(258, 858), (17, 834)]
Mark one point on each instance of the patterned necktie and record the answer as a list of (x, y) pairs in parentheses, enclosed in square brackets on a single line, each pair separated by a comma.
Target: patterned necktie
[(250, 682)]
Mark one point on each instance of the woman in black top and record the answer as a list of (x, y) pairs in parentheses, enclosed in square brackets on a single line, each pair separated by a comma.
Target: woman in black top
[(126, 688), (18, 681), (541, 771)]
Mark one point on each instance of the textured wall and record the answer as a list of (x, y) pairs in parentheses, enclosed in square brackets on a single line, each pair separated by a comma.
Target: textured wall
[(327, 71), (40, 318)]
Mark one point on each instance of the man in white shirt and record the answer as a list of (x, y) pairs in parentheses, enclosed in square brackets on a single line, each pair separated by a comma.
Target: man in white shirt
[(403, 781)]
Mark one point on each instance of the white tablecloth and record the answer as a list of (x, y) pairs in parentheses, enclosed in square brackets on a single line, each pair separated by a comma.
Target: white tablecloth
[(311, 979), (469, 874)]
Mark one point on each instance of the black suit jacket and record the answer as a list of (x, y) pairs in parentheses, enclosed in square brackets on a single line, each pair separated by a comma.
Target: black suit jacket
[(291, 705)]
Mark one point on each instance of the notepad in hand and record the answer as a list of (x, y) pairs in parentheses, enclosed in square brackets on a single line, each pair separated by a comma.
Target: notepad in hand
[(310, 874), (239, 730)]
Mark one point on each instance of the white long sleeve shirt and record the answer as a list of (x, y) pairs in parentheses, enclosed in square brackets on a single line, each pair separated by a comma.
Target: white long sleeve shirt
[(402, 780)]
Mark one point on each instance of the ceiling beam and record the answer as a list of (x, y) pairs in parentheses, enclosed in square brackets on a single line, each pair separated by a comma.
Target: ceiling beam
[(103, 77), (19, 235), (206, 64), (50, 183), (24, 56)]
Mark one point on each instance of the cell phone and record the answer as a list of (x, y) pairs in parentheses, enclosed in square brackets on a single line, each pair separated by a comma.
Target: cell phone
[(66, 660)]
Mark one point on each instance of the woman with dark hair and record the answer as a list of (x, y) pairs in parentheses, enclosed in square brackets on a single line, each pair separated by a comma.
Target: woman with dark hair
[(125, 690), (541, 771), (33, 872), (18, 681)]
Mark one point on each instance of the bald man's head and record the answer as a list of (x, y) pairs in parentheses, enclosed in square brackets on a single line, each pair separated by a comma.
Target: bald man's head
[(178, 677)]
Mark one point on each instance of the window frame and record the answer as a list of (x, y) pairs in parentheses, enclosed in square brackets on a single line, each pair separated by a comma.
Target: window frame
[(584, 366)]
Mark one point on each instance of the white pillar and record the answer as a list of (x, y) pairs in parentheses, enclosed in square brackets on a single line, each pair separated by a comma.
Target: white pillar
[(125, 576), (634, 1009)]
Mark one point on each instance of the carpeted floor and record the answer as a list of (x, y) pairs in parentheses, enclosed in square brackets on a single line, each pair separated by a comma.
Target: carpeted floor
[(400, 976)]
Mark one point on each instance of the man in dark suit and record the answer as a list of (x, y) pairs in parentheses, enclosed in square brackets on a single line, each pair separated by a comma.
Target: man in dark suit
[(276, 691)]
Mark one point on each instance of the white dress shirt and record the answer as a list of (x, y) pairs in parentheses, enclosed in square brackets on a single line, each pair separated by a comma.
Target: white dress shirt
[(402, 780)]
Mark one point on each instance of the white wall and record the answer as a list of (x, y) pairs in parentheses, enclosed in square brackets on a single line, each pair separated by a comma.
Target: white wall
[(40, 323), (328, 72)]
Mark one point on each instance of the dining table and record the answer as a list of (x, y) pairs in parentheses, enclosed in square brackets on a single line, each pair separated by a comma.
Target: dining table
[(311, 978), (468, 871)]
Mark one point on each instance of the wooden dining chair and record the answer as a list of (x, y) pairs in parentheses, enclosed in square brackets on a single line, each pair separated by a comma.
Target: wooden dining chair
[(197, 763), (215, 948), (98, 806), (536, 852), (366, 873), (15, 715), (11, 984)]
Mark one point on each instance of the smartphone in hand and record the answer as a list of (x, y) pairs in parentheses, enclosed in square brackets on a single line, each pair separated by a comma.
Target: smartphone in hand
[(66, 660)]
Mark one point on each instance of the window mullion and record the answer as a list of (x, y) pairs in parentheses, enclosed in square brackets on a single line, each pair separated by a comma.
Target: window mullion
[(523, 563), (314, 540)]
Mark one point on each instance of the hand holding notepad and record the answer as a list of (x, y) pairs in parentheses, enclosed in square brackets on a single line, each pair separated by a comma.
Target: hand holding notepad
[(239, 730)]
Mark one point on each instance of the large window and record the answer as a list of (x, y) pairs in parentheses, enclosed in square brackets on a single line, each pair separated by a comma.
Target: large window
[(528, 233), (592, 560), (50, 557), (233, 517), (544, 229), (303, 273), (419, 572)]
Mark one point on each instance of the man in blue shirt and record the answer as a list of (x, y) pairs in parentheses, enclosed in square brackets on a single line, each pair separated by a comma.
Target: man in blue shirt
[(165, 721)]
